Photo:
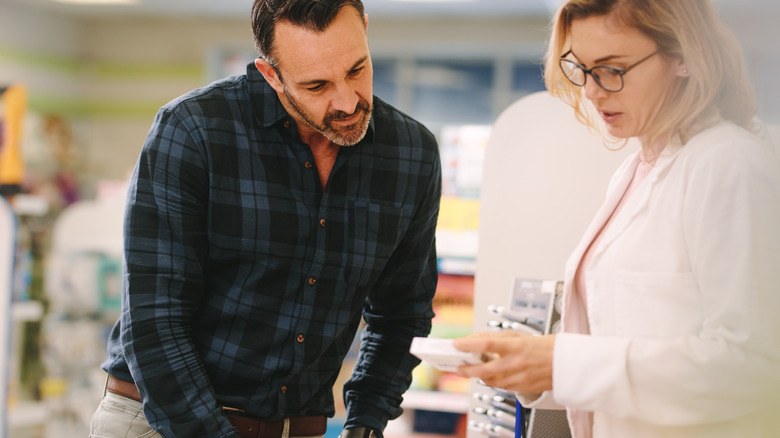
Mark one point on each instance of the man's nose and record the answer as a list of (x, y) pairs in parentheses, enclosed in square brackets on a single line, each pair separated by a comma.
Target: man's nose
[(345, 98)]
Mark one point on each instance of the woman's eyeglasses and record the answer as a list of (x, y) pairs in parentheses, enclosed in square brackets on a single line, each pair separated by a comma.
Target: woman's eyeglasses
[(606, 76)]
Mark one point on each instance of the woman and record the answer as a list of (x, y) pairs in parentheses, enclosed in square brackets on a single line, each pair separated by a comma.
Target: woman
[(671, 299)]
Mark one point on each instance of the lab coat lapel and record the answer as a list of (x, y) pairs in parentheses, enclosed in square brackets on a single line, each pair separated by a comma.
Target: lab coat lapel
[(618, 186), (640, 198), (574, 316)]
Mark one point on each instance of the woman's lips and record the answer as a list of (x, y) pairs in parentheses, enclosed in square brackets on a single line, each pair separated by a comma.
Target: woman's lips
[(610, 117)]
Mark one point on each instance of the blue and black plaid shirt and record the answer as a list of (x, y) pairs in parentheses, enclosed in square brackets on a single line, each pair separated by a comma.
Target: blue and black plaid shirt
[(245, 282)]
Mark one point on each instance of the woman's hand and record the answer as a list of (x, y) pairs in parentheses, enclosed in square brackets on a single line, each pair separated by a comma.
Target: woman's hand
[(520, 363)]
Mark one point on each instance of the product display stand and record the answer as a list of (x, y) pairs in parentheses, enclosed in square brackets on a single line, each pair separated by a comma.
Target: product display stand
[(8, 233), (534, 308)]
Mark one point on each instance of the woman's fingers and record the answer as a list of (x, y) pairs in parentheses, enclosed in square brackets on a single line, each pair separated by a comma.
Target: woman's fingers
[(487, 342), (521, 363)]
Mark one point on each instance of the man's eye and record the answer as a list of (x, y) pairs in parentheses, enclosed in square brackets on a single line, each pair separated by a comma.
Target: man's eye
[(356, 71), (315, 88)]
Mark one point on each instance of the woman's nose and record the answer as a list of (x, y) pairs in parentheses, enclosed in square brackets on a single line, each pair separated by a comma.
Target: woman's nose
[(593, 90)]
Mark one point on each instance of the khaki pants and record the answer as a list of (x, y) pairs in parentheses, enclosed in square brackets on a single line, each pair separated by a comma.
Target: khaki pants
[(120, 417)]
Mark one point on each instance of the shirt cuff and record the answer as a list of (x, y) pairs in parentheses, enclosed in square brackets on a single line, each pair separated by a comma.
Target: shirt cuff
[(366, 415)]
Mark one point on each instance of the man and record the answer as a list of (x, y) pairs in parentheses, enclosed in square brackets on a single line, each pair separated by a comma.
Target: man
[(267, 213)]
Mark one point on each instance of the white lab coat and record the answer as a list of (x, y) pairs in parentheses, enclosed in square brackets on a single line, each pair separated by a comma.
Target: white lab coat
[(683, 304)]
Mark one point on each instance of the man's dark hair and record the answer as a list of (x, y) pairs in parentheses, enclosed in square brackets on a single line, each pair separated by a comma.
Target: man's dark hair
[(315, 15)]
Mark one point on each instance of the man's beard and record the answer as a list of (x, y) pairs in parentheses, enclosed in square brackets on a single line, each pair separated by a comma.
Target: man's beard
[(347, 136)]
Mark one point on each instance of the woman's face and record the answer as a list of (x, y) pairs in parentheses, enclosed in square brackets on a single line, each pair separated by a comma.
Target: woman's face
[(647, 87)]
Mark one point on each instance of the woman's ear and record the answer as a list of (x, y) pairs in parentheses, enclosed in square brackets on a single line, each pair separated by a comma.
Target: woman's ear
[(270, 74), (683, 70)]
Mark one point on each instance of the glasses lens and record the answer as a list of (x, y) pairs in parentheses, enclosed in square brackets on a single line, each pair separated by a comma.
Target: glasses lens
[(573, 72), (609, 78)]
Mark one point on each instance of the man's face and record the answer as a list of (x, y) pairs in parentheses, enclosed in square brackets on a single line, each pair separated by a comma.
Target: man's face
[(325, 78)]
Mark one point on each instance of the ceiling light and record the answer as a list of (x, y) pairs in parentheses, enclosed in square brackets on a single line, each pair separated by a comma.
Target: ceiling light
[(435, 1), (98, 2)]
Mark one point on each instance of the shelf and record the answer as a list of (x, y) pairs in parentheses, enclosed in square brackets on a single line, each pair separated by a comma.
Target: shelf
[(436, 401), (30, 205), (27, 414), (27, 311)]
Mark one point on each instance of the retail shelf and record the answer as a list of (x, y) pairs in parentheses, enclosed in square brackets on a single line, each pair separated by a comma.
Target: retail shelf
[(436, 401), (27, 414), (27, 311), (30, 205)]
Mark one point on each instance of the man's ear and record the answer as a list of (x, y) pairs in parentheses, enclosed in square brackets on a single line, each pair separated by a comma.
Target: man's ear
[(269, 73), (365, 18)]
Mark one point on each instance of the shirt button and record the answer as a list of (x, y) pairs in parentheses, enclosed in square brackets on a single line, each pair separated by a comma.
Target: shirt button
[(322, 223), (312, 281), (286, 123), (300, 338), (308, 165), (284, 390)]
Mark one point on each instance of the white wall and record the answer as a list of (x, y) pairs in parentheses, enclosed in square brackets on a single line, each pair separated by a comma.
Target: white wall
[(40, 50), (27, 29), (458, 38), (143, 64), (758, 34)]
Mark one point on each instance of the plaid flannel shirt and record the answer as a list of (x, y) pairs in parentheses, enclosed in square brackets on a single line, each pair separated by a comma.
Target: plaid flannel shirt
[(245, 283)]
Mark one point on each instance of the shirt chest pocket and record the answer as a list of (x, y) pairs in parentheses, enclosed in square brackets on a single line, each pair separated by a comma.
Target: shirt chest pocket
[(374, 231), (657, 305)]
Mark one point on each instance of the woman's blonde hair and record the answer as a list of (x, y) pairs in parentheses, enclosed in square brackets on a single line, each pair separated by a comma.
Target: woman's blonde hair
[(688, 30)]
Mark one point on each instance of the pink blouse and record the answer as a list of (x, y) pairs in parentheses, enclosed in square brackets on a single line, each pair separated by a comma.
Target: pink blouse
[(641, 172)]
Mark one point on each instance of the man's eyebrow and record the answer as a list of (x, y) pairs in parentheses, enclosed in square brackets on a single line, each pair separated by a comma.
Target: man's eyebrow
[(359, 61), (357, 64), (312, 82)]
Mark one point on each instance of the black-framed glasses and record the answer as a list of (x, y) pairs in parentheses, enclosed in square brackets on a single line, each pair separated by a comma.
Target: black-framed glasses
[(606, 76)]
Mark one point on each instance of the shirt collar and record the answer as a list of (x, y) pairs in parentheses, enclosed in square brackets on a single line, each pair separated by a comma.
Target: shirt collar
[(269, 109)]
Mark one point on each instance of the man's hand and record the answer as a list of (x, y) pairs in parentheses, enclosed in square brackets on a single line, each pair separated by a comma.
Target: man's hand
[(358, 432)]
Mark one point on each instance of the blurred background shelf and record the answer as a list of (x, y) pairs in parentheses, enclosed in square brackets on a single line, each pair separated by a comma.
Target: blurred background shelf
[(26, 415), (436, 401), (27, 311)]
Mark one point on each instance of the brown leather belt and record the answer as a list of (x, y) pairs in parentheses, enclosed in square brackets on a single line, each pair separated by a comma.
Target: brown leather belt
[(123, 388), (246, 425)]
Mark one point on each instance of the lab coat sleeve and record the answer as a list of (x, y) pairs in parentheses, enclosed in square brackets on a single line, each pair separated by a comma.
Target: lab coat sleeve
[(544, 400), (730, 368)]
